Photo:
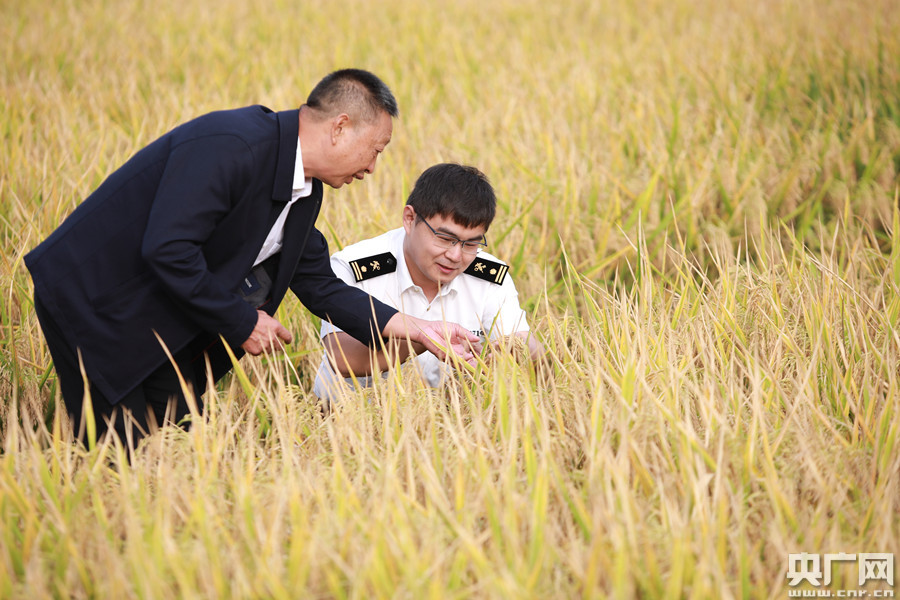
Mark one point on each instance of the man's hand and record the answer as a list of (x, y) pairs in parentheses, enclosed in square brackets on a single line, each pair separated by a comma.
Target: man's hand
[(268, 336), (440, 338)]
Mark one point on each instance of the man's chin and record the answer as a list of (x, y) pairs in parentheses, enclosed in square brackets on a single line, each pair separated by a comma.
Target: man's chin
[(444, 278)]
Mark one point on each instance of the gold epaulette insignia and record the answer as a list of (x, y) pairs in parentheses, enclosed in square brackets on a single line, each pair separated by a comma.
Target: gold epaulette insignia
[(488, 270), (373, 266)]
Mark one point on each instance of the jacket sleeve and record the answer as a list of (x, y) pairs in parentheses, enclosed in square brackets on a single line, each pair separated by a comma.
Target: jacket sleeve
[(329, 298), (202, 181)]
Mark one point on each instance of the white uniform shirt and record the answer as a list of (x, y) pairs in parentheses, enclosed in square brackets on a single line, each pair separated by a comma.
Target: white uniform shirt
[(483, 307)]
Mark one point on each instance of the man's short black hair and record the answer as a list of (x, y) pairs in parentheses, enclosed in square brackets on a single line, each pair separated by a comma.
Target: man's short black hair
[(458, 192), (360, 94)]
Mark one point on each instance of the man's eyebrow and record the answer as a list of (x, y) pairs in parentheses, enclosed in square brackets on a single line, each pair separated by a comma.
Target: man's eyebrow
[(448, 232)]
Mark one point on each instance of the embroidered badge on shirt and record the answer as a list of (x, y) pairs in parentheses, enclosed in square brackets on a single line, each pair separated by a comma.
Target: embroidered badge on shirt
[(488, 270), (373, 266)]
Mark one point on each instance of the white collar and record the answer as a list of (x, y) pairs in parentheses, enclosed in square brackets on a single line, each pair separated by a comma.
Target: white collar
[(301, 184)]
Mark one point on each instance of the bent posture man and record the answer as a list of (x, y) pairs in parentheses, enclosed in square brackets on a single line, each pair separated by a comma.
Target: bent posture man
[(197, 238), (432, 267)]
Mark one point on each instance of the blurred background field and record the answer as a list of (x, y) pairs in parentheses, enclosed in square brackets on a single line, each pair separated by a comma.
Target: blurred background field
[(699, 204)]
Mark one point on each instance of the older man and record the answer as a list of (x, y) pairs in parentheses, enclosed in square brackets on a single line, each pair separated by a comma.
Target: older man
[(193, 243)]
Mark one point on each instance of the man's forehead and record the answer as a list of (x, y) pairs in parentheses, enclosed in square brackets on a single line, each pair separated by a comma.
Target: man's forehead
[(449, 225), (379, 131), (387, 130)]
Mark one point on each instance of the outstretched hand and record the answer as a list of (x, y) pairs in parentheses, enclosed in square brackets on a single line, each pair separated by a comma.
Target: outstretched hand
[(446, 339), (438, 337), (268, 336)]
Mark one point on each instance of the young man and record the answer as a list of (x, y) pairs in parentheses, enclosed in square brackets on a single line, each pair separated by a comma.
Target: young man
[(434, 267)]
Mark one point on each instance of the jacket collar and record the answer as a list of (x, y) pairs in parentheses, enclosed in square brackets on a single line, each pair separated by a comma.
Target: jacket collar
[(288, 130)]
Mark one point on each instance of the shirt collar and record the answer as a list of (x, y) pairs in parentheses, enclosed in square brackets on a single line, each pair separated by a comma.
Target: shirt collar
[(302, 185)]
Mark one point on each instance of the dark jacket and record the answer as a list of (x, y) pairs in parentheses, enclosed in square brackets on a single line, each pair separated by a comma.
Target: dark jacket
[(162, 246)]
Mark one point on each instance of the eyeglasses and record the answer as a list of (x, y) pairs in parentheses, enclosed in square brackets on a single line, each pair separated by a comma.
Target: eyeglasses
[(445, 240)]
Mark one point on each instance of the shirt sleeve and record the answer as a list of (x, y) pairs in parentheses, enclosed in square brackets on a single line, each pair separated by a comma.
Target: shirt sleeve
[(503, 316)]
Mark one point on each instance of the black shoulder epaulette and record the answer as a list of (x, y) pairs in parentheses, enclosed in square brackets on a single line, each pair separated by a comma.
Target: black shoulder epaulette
[(488, 270), (373, 266)]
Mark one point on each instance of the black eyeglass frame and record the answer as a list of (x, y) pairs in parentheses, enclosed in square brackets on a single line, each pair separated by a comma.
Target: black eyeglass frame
[(452, 240)]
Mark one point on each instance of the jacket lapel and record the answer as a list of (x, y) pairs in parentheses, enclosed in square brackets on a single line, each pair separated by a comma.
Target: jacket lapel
[(300, 222)]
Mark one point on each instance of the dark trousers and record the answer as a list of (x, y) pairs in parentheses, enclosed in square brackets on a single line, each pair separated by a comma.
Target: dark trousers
[(157, 400)]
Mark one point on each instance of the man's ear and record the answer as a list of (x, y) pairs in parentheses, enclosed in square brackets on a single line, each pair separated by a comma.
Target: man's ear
[(339, 126), (409, 218)]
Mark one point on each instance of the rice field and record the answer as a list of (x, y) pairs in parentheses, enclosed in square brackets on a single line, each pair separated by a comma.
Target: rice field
[(698, 201)]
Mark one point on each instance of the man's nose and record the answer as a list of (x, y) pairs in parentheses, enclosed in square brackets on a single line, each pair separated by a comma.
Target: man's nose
[(455, 251)]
